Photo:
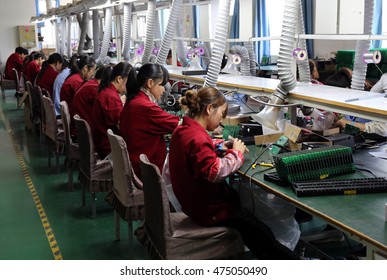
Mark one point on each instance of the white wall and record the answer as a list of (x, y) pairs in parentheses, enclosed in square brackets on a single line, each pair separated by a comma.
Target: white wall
[(12, 14)]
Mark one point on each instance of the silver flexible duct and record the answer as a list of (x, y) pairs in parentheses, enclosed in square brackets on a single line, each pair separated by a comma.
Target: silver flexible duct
[(206, 57), (220, 43), (170, 31), (360, 67), (268, 116), (253, 65), (69, 51), (84, 25), (303, 65), (107, 33), (150, 25), (181, 50), (127, 30), (244, 55), (95, 18), (157, 30), (57, 34)]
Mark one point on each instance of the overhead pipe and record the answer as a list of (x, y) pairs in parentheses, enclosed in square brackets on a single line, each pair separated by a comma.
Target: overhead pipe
[(95, 19), (244, 55), (170, 31), (69, 51), (127, 30), (62, 33), (180, 48), (57, 33), (269, 115), (84, 21), (303, 64), (362, 46), (220, 43), (107, 33), (157, 32), (150, 25), (252, 57)]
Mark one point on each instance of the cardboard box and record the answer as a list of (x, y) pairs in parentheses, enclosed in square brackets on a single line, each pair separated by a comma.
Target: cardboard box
[(328, 132), (266, 139)]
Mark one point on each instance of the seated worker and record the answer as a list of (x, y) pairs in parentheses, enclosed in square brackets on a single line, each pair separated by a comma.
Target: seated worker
[(33, 67), (198, 175), (50, 70), (83, 70), (15, 60), (108, 105), (343, 79), (143, 123), (169, 59), (85, 96)]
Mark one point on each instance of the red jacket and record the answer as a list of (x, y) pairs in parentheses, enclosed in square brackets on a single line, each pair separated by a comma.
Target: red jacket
[(47, 79), (143, 125), (198, 174), (13, 61), (69, 88), (84, 99), (32, 70), (107, 108)]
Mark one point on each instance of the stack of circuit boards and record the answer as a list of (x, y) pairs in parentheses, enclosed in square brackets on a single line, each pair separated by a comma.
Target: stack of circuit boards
[(314, 164), (307, 169)]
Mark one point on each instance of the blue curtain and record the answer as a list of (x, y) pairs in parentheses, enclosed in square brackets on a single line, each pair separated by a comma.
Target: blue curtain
[(196, 16), (377, 23), (307, 9), (234, 32), (261, 29)]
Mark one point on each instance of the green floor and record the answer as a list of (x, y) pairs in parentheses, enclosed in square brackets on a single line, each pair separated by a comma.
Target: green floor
[(68, 232)]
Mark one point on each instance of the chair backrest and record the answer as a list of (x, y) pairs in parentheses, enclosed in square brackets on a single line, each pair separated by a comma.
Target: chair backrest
[(122, 167), (65, 114), (50, 123), (19, 86), (86, 145), (30, 89), (157, 211)]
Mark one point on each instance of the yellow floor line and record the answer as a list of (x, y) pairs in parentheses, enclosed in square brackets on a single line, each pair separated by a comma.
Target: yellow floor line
[(42, 214)]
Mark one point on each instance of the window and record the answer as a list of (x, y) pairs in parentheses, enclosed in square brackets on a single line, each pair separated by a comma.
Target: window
[(275, 11)]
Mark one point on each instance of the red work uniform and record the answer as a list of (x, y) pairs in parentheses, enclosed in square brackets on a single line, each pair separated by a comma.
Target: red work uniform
[(198, 174), (143, 125), (106, 114), (84, 99), (47, 79), (67, 92), (32, 70), (13, 61)]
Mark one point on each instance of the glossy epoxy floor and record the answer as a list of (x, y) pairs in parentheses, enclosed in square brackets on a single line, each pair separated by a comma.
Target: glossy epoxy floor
[(39, 218)]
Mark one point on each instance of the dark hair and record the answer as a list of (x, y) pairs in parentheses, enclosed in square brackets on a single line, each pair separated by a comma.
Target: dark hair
[(109, 74), (21, 50), (100, 70), (52, 59), (197, 101), (148, 71), (313, 70), (342, 78), (37, 55), (80, 62)]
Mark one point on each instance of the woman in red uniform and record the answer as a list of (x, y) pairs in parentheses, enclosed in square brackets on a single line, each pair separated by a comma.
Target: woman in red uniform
[(15, 60), (108, 105), (143, 123), (34, 66), (50, 69), (81, 71), (84, 98), (198, 175)]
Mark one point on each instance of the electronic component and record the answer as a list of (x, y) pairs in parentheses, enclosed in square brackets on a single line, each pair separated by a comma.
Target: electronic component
[(343, 187), (312, 164)]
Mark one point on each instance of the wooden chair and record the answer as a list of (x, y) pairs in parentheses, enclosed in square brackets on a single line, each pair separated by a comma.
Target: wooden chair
[(72, 149), (175, 235), (95, 175), (126, 197)]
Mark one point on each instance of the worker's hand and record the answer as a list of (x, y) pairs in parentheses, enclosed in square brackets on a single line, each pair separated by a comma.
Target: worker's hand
[(239, 145), (123, 98), (341, 123)]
